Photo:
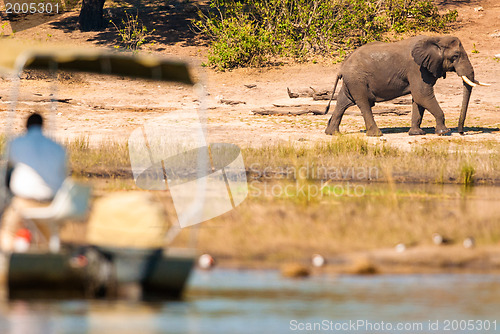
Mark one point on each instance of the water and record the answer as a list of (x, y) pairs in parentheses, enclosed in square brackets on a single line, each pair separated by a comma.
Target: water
[(232, 301)]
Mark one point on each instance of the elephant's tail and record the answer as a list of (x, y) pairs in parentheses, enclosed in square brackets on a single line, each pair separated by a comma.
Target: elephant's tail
[(339, 76)]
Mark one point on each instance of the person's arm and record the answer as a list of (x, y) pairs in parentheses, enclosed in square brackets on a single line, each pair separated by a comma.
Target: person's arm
[(8, 175), (10, 166)]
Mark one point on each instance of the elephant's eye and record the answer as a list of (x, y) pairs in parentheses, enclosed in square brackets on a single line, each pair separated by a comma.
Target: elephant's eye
[(454, 58)]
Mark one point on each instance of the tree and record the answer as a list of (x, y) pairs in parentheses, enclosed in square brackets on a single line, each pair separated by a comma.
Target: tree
[(91, 15)]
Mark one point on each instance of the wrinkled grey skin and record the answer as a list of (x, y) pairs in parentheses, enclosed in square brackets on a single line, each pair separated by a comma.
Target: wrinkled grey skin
[(383, 71)]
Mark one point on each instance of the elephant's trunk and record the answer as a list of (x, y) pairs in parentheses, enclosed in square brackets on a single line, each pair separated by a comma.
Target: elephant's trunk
[(465, 105), (465, 70)]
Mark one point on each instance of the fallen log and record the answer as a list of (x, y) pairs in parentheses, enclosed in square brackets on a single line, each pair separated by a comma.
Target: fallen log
[(316, 94), (288, 111), (231, 102), (391, 111), (382, 112)]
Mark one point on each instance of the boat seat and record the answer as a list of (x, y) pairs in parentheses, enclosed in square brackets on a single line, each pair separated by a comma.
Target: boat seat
[(70, 202)]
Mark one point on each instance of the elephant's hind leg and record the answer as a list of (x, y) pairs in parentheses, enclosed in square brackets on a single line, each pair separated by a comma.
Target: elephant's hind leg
[(360, 95), (372, 129), (343, 102), (417, 113)]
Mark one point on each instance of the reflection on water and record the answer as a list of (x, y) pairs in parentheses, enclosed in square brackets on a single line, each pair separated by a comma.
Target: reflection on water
[(231, 301)]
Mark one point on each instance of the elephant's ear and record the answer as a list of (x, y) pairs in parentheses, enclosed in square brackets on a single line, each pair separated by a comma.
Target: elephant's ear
[(428, 54)]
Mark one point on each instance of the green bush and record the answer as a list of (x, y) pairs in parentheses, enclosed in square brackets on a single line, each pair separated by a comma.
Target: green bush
[(417, 15), (248, 33), (237, 41), (132, 32)]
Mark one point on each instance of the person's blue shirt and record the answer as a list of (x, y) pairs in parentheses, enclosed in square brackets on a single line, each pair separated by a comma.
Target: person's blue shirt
[(39, 165)]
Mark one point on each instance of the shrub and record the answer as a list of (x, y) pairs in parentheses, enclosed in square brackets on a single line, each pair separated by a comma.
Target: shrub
[(248, 33), (237, 41), (417, 15), (132, 32)]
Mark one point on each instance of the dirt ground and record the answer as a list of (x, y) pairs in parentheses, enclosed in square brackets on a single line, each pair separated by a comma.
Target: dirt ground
[(102, 107)]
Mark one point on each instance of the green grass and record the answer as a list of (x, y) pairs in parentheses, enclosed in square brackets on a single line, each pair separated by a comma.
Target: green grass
[(467, 172)]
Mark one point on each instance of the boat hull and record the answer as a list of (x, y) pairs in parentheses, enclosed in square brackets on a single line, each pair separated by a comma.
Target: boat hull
[(159, 275)]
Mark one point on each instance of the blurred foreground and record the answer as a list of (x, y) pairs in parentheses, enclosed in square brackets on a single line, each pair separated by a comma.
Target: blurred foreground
[(230, 301)]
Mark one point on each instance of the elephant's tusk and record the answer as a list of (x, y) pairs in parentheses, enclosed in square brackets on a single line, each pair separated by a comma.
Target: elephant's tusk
[(467, 80), (483, 84)]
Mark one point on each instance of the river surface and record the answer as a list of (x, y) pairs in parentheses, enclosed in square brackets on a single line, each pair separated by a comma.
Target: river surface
[(253, 301)]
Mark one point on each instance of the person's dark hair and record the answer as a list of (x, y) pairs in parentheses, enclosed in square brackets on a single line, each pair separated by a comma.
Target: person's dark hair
[(34, 119)]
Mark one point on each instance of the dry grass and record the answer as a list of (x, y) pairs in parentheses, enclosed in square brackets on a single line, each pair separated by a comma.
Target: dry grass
[(290, 226), (107, 159), (3, 141), (272, 229), (347, 157), (444, 161)]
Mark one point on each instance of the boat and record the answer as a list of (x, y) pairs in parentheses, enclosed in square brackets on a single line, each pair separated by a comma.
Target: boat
[(89, 270)]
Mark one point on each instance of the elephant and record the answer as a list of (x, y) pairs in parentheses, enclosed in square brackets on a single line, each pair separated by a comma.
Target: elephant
[(380, 71)]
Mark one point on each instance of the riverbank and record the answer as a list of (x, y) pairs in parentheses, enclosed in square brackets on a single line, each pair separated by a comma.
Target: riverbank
[(388, 226), (347, 199), (415, 260)]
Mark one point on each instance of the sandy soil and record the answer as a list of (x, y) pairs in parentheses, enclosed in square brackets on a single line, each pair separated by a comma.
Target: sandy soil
[(102, 107)]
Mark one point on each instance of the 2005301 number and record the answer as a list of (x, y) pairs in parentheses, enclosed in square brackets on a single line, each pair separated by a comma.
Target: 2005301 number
[(31, 8), (470, 325)]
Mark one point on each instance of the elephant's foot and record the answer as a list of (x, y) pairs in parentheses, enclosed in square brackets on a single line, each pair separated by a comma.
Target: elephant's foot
[(416, 132), (442, 131), (332, 131), (374, 132)]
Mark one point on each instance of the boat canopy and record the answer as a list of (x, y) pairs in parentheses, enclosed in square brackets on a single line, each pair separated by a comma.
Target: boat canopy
[(17, 56)]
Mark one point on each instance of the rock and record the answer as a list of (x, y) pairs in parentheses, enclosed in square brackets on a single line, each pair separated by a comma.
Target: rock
[(363, 266), (206, 261), (469, 242), (478, 9), (250, 86), (294, 270), (496, 34), (438, 239), (400, 248), (318, 261)]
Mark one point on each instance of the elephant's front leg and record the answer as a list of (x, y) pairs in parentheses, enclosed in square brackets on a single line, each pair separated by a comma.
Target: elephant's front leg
[(417, 113), (432, 105)]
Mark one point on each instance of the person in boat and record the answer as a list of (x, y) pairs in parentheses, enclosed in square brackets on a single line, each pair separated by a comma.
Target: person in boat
[(37, 167)]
